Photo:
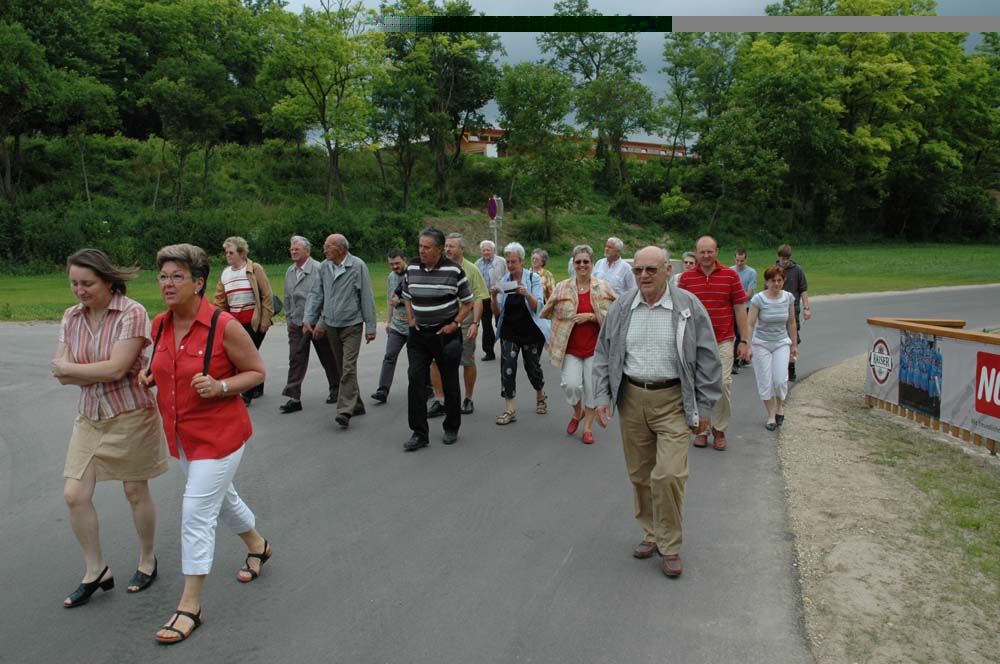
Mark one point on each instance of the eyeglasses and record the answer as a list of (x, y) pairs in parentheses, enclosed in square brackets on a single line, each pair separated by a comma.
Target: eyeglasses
[(176, 279), (689, 262), (581, 262), (639, 269)]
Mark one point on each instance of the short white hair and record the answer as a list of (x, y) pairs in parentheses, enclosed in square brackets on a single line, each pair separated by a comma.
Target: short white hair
[(619, 245), (487, 243), (515, 248), (306, 244)]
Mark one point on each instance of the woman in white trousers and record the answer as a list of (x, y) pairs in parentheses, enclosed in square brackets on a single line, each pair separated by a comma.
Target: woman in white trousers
[(772, 327)]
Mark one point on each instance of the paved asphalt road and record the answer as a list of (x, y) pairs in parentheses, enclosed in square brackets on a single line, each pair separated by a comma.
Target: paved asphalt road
[(511, 546)]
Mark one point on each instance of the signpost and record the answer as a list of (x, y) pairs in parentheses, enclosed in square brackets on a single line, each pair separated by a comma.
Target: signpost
[(494, 208)]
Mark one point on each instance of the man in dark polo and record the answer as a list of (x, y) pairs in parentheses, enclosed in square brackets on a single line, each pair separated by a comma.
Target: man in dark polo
[(658, 363), (796, 284), (438, 298)]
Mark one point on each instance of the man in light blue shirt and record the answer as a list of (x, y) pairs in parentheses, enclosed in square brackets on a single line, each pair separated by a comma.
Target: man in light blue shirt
[(614, 269), (748, 277), (493, 269)]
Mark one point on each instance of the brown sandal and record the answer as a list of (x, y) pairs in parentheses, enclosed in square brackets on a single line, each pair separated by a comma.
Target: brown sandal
[(507, 417), (541, 405)]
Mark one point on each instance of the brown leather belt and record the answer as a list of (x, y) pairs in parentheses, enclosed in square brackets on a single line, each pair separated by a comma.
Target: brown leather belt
[(653, 384)]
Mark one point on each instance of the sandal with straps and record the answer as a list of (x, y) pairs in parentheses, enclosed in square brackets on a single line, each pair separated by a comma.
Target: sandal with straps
[(263, 557), (196, 622), (542, 405), (82, 594), (507, 417)]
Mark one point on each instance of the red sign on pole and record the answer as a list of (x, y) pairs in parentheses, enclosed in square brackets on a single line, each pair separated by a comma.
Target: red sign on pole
[(491, 208)]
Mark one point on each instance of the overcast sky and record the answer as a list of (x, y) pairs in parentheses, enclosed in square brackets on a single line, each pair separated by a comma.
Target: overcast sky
[(521, 46)]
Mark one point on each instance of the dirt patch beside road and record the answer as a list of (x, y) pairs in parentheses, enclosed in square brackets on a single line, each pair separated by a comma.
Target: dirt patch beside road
[(887, 573)]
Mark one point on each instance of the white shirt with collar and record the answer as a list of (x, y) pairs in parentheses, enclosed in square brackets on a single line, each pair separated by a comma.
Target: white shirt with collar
[(618, 274), (650, 344)]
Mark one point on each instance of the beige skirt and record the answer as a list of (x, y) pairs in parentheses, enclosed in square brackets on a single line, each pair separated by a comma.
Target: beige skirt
[(127, 447)]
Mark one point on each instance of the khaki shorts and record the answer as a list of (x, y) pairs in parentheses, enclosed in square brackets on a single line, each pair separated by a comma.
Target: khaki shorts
[(468, 345), (128, 447)]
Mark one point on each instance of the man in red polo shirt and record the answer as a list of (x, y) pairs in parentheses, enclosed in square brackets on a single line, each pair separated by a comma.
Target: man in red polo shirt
[(719, 288)]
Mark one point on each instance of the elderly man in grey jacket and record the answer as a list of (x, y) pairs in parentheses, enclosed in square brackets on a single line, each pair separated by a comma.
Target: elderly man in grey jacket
[(340, 302), (658, 362), (300, 277)]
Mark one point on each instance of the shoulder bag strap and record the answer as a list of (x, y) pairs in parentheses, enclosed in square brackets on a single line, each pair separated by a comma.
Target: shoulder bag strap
[(211, 340), (156, 342)]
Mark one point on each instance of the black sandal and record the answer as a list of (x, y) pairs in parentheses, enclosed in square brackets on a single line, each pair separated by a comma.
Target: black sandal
[(140, 580), (82, 594), (262, 557), (196, 621), (779, 419)]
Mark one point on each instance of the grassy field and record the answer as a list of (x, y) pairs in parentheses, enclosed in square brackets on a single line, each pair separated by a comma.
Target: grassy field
[(830, 269)]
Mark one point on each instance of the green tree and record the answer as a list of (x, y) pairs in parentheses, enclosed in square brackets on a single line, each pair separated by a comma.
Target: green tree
[(328, 76), (680, 53), (403, 100), (534, 102), (464, 75), (25, 82), (617, 106), (201, 80), (589, 56)]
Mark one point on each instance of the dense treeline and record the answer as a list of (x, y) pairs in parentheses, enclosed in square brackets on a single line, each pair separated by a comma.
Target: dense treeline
[(129, 123)]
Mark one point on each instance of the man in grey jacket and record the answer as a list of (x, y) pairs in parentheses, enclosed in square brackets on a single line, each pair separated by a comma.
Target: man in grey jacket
[(658, 362), (300, 278), (340, 302)]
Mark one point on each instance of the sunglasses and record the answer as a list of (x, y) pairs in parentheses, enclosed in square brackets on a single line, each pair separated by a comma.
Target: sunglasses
[(581, 262), (639, 269)]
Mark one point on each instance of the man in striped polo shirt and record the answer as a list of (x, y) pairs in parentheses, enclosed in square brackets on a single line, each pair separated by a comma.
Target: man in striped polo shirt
[(438, 298), (719, 288)]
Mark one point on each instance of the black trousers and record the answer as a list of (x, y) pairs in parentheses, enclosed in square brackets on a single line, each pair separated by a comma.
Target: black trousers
[(422, 347), (487, 327), (258, 339), (798, 340), (531, 356)]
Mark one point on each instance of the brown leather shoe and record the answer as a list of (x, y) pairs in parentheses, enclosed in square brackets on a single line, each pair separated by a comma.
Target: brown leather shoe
[(671, 564), (701, 440), (645, 550), (719, 439)]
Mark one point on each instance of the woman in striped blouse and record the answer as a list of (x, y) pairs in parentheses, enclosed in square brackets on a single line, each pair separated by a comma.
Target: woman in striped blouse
[(772, 326), (244, 291), (117, 434)]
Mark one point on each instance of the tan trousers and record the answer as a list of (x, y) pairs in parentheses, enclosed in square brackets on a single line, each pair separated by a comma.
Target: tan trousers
[(724, 407), (345, 342), (655, 438)]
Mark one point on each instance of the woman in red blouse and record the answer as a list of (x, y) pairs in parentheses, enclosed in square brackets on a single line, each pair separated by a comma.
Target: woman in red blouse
[(205, 421), (577, 308), (117, 434)]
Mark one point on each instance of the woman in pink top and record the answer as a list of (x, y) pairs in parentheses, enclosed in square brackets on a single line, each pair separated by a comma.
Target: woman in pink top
[(117, 433)]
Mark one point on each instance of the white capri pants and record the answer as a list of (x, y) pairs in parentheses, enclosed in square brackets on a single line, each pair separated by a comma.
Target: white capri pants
[(577, 380), (208, 495), (770, 366)]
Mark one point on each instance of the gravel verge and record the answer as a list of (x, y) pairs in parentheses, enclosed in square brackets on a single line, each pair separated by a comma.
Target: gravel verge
[(882, 578)]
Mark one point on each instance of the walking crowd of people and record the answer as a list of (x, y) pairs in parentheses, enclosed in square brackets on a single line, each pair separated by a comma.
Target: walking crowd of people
[(632, 340)]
